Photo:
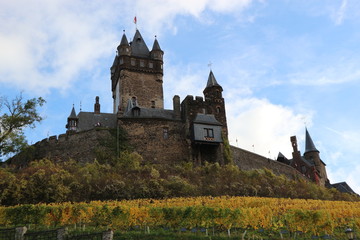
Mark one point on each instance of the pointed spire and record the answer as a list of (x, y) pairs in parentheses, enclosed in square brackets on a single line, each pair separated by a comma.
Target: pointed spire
[(138, 46), (212, 81), (156, 45), (309, 144), (73, 113), (124, 40)]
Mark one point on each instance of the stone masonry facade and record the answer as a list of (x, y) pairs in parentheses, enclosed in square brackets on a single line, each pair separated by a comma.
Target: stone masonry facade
[(195, 130)]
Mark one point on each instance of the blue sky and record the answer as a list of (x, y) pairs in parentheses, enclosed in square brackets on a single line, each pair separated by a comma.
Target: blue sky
[(281, 64)]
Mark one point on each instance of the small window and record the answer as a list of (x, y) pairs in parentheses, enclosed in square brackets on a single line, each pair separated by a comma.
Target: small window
[(218, 109), (165, 133), (142, 63), (121, 61), (133, 62), (161, 66), (152, 104), (209, 133), (151, 65)]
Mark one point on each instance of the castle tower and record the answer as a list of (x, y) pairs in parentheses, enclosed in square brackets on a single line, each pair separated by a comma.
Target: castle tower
[(313, 155), (72, 122), (137, 73), (216, 103)]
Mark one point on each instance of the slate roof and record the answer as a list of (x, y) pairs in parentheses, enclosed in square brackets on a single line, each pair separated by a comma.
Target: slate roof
[(124, 40), (343, 187), (309, 144), (308, 162), (73, 113), (206, 119), (138, 46), (152, 113), (212, 81), (89, 120), (281, 158), (156, 46)]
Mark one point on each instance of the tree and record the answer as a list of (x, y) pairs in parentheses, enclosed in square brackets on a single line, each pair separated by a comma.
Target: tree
[(15, 116)]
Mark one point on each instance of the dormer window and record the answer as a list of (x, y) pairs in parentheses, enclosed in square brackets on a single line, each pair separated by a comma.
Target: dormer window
[(133, 62), (142, 63), (151, 65)]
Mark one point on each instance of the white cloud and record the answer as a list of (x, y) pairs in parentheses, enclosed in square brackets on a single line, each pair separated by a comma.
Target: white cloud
[(340, 14), (336, 72), (159, 14), (47, 44), (265, 125)]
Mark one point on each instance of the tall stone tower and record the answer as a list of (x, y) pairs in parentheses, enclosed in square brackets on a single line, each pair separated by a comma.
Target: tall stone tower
[(137, 74), (313, 155), (216, 103)]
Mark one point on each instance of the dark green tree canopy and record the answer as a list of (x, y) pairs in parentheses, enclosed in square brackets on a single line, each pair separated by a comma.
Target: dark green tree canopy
[(15, 116)]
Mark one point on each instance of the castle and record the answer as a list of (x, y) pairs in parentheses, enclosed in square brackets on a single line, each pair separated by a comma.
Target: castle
[(194, 130)]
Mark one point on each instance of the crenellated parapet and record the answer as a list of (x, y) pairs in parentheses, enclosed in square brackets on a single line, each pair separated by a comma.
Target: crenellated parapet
[(81, 147)]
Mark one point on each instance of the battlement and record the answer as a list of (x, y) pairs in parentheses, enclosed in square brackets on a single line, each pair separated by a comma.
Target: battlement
[(81, 146)]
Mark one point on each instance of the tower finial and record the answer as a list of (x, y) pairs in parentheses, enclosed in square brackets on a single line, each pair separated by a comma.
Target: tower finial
[(210, 65)]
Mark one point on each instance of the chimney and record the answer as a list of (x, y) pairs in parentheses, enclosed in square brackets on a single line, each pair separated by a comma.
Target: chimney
[(296, 152), (176, 104), (97, 105)]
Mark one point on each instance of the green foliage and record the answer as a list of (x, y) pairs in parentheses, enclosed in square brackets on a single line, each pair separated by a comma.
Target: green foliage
[(228, 157), (15, 116), (130, 178), (110, 148)]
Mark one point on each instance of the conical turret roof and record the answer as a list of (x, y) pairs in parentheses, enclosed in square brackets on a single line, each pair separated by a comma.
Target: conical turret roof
[(309, 144), (156, 46), (124, 40), (212, 81), (138, 46), (73, 113)]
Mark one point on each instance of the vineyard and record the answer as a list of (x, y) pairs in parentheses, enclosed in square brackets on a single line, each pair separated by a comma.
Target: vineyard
[(312, 217)]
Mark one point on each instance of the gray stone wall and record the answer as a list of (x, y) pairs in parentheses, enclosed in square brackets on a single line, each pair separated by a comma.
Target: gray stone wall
[(80, 146), (247, 160), (157, 140)]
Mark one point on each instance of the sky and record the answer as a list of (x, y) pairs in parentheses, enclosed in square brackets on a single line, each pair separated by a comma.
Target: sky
[(283, 65)]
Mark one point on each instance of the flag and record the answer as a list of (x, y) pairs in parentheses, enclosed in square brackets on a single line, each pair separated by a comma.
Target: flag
[(135, 19)]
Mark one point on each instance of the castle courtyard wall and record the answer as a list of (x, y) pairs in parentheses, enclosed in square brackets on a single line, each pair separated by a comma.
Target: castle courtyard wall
[(157, 140), (247, 160)]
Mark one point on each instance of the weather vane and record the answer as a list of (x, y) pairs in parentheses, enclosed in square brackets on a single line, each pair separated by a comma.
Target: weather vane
[(304, 120)]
